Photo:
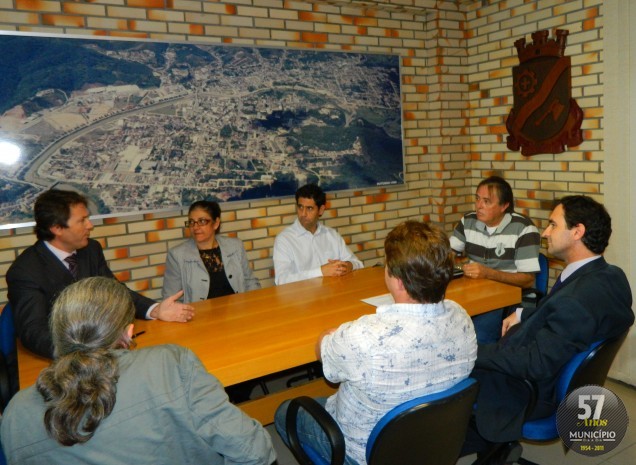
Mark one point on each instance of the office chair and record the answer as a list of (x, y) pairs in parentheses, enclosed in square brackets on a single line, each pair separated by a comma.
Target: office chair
[(531, 296), (587, 367), (426, 430), (9, 384)]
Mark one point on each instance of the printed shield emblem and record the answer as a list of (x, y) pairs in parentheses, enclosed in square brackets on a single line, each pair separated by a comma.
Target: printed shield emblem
[(545, 118)]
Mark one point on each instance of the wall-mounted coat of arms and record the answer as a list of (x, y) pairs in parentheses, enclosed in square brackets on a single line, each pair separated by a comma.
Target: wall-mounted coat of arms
[(545, 118)]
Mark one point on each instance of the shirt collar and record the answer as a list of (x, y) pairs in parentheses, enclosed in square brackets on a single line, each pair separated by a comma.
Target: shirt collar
[(301, 230), (504, 222), (413, 309), (59, 253), (572, 267)]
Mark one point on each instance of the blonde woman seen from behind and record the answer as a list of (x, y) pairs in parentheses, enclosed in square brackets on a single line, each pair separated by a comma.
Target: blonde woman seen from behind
[(100, 402)]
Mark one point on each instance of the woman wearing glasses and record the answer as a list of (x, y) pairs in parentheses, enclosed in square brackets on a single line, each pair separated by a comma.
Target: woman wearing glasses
[(207, 265)]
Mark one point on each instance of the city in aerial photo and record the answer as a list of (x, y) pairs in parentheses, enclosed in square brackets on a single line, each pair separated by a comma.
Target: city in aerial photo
[(145, 126)]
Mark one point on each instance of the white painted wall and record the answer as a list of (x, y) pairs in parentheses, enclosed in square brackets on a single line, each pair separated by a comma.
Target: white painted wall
[(620, 154)]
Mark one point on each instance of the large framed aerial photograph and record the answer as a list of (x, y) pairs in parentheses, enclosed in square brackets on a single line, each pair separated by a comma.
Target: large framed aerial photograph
[(145, 126)]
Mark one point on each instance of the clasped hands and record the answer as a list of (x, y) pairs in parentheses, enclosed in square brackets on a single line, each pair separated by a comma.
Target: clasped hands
[(336, 268)]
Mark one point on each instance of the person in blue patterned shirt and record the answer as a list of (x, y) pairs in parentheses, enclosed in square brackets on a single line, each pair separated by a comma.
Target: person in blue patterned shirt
[(419, 345), (496, 243)]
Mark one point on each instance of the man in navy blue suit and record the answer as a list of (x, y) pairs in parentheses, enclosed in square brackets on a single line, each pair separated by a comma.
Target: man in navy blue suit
[(63, 254), (591, 302)]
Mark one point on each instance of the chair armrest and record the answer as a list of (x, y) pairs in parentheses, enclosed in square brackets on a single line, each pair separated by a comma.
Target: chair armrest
[(531, 296), (534, 396), (324, 420)]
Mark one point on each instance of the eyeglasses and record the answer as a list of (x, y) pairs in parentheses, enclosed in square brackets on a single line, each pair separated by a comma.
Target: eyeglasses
[(200, 222)]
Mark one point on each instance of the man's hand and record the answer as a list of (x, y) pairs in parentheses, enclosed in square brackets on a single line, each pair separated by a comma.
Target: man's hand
[(478, 271), (171, 310), (509, 322), (475, 270), (336, 268)]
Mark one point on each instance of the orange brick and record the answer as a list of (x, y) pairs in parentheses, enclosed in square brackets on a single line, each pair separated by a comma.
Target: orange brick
[(196, 29), (362, 30), (589, 24), (228, 216), (230, 9), (227, 40), (365, 21), (264, 222), (37, 5), (313, 37), (498, 73), (142, 285), (174, 222), (348, 19), (152, 225), (147, 3), (309, 16), (377, 198), (61, 20), (83, 9), (422, 89), (409, 115), (132, 35), (120, 253), (122, 275)]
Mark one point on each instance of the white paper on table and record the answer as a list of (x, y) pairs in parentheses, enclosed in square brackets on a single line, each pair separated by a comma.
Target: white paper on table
[(384, 299)]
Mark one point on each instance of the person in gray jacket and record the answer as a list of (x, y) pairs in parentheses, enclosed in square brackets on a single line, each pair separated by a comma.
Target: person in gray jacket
[(101, 403), (207, 265)]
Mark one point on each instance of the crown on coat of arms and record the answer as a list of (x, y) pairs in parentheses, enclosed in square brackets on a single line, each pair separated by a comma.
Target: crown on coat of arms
[(541, 46)]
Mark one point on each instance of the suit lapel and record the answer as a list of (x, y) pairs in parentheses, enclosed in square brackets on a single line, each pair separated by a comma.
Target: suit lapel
[(591, 267), (83, 270), (55, 269)]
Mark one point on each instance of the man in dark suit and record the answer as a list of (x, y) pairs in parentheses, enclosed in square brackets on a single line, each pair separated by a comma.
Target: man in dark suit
[(591, 301), (63, 254)]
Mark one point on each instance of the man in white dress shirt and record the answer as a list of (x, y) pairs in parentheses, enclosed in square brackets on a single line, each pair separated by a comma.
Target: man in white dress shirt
[(308, 249)]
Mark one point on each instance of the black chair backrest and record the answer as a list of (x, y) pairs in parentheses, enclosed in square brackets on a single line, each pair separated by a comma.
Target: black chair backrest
[(328, 424), (594, 369), (427, 434)]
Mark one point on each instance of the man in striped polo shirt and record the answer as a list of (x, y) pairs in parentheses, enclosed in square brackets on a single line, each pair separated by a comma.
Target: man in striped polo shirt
[(499, 244)]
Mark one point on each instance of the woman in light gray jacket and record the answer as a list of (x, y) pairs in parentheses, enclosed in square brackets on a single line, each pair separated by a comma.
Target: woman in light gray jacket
[(207, 265)]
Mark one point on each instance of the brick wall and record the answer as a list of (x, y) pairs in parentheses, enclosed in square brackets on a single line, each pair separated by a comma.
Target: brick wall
[(539, 179), (457, 59)]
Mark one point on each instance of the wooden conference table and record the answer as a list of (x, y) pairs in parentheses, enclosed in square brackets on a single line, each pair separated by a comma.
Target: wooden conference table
[(257, 333)]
